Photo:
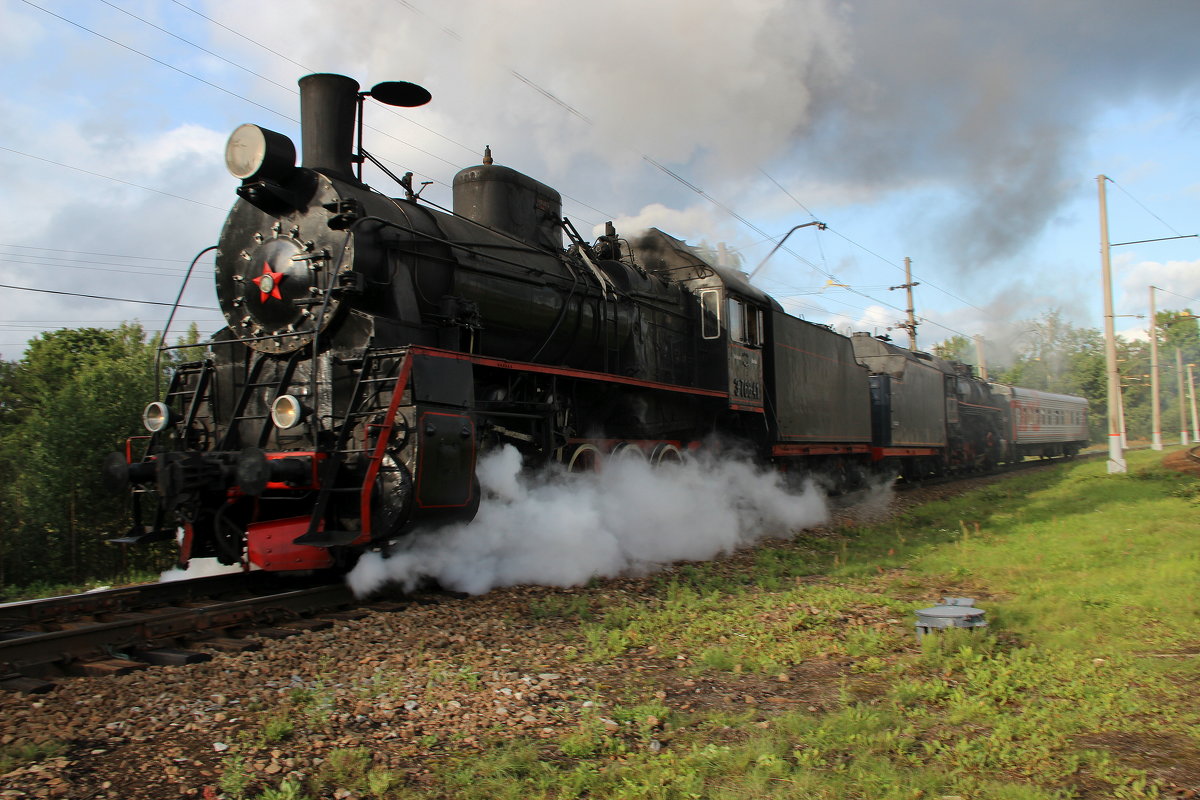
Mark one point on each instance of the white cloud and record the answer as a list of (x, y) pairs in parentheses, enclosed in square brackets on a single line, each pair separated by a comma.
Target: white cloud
[(1179, 280), (875, 319)]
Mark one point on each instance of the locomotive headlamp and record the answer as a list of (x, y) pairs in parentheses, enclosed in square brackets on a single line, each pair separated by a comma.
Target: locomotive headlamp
[(157, 416), (286, 412), (253, 153)]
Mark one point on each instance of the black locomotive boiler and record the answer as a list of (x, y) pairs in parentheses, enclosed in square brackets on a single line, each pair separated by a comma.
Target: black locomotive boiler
[(376, 345)]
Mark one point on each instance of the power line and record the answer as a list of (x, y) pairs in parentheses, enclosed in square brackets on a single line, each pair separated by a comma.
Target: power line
[(234, 94), (37, 325), (89, 253), (566, 106), (257, 44), (897, 266), (217, 86), (108, 177), (100, 297), (1177, 294), (157, 61), (865, 249), (1143, 207), (168, 272), (198, 47), (550, 96)]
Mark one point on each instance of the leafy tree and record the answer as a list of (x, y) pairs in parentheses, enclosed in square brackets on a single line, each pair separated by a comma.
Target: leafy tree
[(74, 397), (956, 348), (1177, 331), (1056, 356)]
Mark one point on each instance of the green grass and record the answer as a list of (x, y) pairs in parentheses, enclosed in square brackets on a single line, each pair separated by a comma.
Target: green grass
[(1088, 581), (747, 631), (1084, 560), (26, 752), (40, 589)]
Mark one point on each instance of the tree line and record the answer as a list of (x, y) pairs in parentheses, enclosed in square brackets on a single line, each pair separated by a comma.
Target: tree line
[(74, 397), (78, 394), (1053, 355)]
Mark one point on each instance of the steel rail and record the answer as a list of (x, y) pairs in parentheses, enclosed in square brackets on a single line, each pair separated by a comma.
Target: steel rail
[(131, 598), (27, 654)]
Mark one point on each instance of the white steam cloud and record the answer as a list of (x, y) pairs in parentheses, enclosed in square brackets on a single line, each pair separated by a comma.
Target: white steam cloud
[(198, 568), (562, 530)]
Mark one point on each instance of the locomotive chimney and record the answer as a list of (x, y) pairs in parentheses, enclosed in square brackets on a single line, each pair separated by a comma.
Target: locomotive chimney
[(327, 108)]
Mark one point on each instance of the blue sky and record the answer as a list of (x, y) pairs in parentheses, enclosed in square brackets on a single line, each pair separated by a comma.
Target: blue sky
[(965, 135)]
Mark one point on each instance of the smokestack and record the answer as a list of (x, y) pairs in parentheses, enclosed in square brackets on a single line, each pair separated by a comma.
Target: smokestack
[(327, 107)]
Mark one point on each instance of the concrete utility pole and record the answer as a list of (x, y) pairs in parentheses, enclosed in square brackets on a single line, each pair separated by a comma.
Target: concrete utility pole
[(1116, 456), (1192, 398), (980, 357), (911, 324), (1183, 431), (1156, 415)]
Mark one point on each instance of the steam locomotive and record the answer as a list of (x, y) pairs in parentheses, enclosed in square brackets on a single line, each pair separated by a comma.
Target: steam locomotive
[(376, 345)]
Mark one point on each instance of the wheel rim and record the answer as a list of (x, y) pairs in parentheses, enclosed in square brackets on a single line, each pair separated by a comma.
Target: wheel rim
[(666, 453), (628, 451), (585, 458)]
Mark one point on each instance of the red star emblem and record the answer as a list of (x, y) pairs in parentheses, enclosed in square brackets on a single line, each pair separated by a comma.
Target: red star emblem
[(268, 283)]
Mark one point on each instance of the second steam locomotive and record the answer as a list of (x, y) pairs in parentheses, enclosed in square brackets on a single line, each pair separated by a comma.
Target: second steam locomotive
[(376, 345)]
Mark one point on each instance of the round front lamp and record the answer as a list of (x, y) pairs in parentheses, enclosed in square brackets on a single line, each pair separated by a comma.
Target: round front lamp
[(253, 153), (286, 412), (157, 416)]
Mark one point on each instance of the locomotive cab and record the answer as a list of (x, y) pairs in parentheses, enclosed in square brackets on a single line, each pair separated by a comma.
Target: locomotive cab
[(731, 318)]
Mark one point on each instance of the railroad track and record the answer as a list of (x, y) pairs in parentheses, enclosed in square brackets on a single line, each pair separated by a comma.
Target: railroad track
[(902, 485), (121, 630)]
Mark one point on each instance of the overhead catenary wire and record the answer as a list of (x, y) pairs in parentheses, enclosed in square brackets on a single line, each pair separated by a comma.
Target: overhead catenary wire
[(1143, 206), (888, 261)]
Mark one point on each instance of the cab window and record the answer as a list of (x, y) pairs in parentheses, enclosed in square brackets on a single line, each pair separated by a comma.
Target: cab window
[(737, 321), (710, 313), (745, 323)]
